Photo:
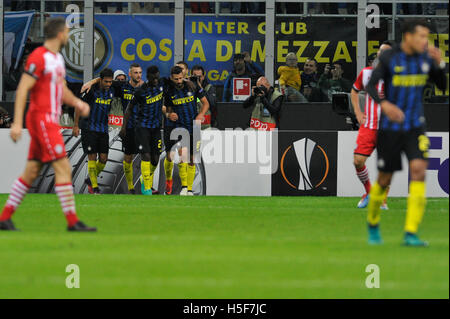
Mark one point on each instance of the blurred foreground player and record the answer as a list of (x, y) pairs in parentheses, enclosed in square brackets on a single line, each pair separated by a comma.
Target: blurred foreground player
[(44, 79), (368, 121), (405, 70)]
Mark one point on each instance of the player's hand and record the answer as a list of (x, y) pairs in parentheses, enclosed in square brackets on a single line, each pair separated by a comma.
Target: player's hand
[(361, 117), (86, 87), (435, 54), (393, 112), (84, 109), (173, 116), (75, 131), (200, 118), (16, 132)]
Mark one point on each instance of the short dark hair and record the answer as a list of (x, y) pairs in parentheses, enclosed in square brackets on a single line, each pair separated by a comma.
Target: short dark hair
[(152, 69), (390, 43), (184, 63), (134, 65), (176, 70), (53, 26), (106, 73), (409, 25), (198, 67)]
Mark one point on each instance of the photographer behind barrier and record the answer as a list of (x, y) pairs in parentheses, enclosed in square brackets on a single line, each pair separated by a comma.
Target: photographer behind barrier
[(199, 77), (266, 102), (332, 81)]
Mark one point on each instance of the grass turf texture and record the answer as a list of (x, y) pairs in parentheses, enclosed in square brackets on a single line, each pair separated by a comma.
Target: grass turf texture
[(220, 247)]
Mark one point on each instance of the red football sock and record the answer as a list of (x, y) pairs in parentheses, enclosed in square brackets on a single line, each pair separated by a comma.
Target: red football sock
[(67, 200), (363, 175), (18, 192)]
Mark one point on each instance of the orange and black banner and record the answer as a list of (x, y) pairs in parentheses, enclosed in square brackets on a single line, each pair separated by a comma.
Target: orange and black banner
[(307, 164)]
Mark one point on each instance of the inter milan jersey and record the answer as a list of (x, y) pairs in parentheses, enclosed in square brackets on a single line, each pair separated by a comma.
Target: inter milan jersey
[(405, 77), (126, 94), (100, 105), (148, 101), (184, 103)]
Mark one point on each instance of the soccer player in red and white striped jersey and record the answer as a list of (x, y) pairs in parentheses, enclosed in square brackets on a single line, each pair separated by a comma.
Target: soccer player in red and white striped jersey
[(44, 80), (368, 121)]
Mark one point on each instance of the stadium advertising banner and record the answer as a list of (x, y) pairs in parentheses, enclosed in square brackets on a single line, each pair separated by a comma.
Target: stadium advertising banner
[(123, 39), (307, 164), (437, 178)]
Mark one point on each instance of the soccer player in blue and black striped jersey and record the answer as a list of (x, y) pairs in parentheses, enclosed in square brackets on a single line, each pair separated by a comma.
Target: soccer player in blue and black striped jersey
[(180, 99), (405, 70), (94, 129), (126, 90), (148, 103)]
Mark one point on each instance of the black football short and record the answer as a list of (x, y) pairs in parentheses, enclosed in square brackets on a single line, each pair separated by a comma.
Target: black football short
[(391, 144), (148, 140), (168, 143), (94, 142), (129, 142)]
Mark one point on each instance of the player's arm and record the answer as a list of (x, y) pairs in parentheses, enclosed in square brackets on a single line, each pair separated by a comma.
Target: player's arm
[(87, 86), (354, 95), (200, 94), (126, 116), (381, 72), (25, 85), (169, 112), (437, 70), (76, 124), (70, 99)]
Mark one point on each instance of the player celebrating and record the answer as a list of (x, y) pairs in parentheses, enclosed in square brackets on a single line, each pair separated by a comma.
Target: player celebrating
[(148, 101), (181, 103), (126, 90), (368, 121), (405, 70), (94, 129), (44, 79)]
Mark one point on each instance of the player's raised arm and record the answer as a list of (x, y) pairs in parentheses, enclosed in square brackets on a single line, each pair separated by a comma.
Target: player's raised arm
[(87, 86), (437, 70), (25, 85)]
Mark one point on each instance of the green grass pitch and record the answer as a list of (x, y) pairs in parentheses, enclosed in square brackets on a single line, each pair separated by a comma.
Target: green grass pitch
[(220, 247)]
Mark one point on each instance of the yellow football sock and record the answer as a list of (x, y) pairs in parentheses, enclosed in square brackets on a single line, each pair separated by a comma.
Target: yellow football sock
[(100, 166), (182, 169), (415, 207), (190, 176), (376, 197), (152, 173), (168, 166), (92, 170), (145, 169), (128, 170)]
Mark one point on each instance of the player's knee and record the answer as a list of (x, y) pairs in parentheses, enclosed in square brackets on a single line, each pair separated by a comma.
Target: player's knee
[(417, 173), (103, 158), (358, 162)]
